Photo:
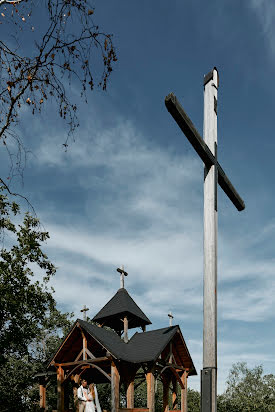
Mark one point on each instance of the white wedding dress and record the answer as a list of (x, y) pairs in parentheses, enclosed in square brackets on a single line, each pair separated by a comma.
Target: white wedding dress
[(90, 406)]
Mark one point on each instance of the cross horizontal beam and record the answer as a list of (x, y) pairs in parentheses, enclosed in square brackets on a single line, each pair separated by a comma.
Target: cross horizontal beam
[(186, 125)]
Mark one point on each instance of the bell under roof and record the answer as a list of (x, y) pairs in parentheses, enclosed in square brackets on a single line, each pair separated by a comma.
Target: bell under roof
[(120, 305)]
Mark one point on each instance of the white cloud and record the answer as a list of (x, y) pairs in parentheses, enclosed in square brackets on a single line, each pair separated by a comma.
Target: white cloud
[(265, 10), (143, 209)]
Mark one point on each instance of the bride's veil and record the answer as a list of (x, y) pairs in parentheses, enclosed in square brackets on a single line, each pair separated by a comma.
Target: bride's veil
[(98, 408)]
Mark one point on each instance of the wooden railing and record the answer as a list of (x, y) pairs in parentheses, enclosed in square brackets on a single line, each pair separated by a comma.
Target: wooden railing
[(133, 410)]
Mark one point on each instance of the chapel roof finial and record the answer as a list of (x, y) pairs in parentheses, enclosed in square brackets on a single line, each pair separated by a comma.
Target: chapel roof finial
[(122, 274), (84, 310), (171, 317)]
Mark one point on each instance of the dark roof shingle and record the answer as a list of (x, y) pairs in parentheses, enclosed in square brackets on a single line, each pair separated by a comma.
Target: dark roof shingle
[(121, 303), (142, 347)]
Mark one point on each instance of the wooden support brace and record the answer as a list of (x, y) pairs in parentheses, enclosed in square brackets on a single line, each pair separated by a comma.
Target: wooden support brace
[(114, 388), (174, 394), (150, 391), (84, 346), (60, 390)]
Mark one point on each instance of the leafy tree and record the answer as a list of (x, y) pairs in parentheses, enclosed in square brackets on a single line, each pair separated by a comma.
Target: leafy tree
[(30, 324), (248, 390), (46, 45), (193, 400)]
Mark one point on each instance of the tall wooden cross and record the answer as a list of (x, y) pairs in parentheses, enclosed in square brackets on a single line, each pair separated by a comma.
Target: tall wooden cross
[(213, 175), (84, 310), (122, 274)]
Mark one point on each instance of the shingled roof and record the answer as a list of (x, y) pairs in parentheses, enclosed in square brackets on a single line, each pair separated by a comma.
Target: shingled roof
[(119, 306), (142, 347)]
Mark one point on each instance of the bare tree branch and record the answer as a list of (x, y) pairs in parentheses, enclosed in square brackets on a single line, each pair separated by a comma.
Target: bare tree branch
[(71, 49), (10, 1)]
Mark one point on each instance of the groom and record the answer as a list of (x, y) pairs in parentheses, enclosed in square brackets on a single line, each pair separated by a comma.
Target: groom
[(82, 394)]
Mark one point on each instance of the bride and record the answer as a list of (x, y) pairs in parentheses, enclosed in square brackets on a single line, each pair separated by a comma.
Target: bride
[(92, 403)]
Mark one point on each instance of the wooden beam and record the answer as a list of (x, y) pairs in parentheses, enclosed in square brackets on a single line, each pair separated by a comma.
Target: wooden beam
[(174, 372), (42, 396), (130, 394), (114, 388), (96, 360), (174, 394), (75, 386), (85, 366), (84, 345), (92, 356), (60, 389), (102, 371), (165, 383), (125, 335), (78, 356), (184, 392), (150, 391), (184, 122)]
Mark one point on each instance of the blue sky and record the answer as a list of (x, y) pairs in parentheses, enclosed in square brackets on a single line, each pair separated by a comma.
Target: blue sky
[(129, 190)]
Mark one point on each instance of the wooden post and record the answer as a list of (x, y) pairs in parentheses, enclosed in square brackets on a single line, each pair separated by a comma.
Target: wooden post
[(130, 394), (210, 237), (75, 386), (150, 379), (42, 395), (60, 390), (184, 393), (174, 394), (84, 346), (125, 335), (165, 383), (114, 388)]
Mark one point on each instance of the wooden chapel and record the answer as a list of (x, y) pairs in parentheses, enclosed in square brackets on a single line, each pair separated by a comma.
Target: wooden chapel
[(106, 355)]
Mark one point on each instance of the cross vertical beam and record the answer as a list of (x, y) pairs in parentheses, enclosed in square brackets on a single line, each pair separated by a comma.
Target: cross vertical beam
[(210, 236), (214, 175)]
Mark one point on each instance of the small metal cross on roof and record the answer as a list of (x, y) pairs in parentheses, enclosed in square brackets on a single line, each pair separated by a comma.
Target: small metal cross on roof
[(122, 274), (171, 317), (84, 310)]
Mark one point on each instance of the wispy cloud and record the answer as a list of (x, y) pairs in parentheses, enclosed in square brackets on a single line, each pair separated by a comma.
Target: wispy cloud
[(265, 10), (143, 208)]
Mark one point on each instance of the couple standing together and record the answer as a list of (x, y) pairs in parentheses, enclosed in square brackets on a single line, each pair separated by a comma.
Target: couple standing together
[(88, 398)]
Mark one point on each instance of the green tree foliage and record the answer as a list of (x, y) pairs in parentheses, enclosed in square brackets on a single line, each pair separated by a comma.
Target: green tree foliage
[(193, 400), (30, 324), (248, 390)]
